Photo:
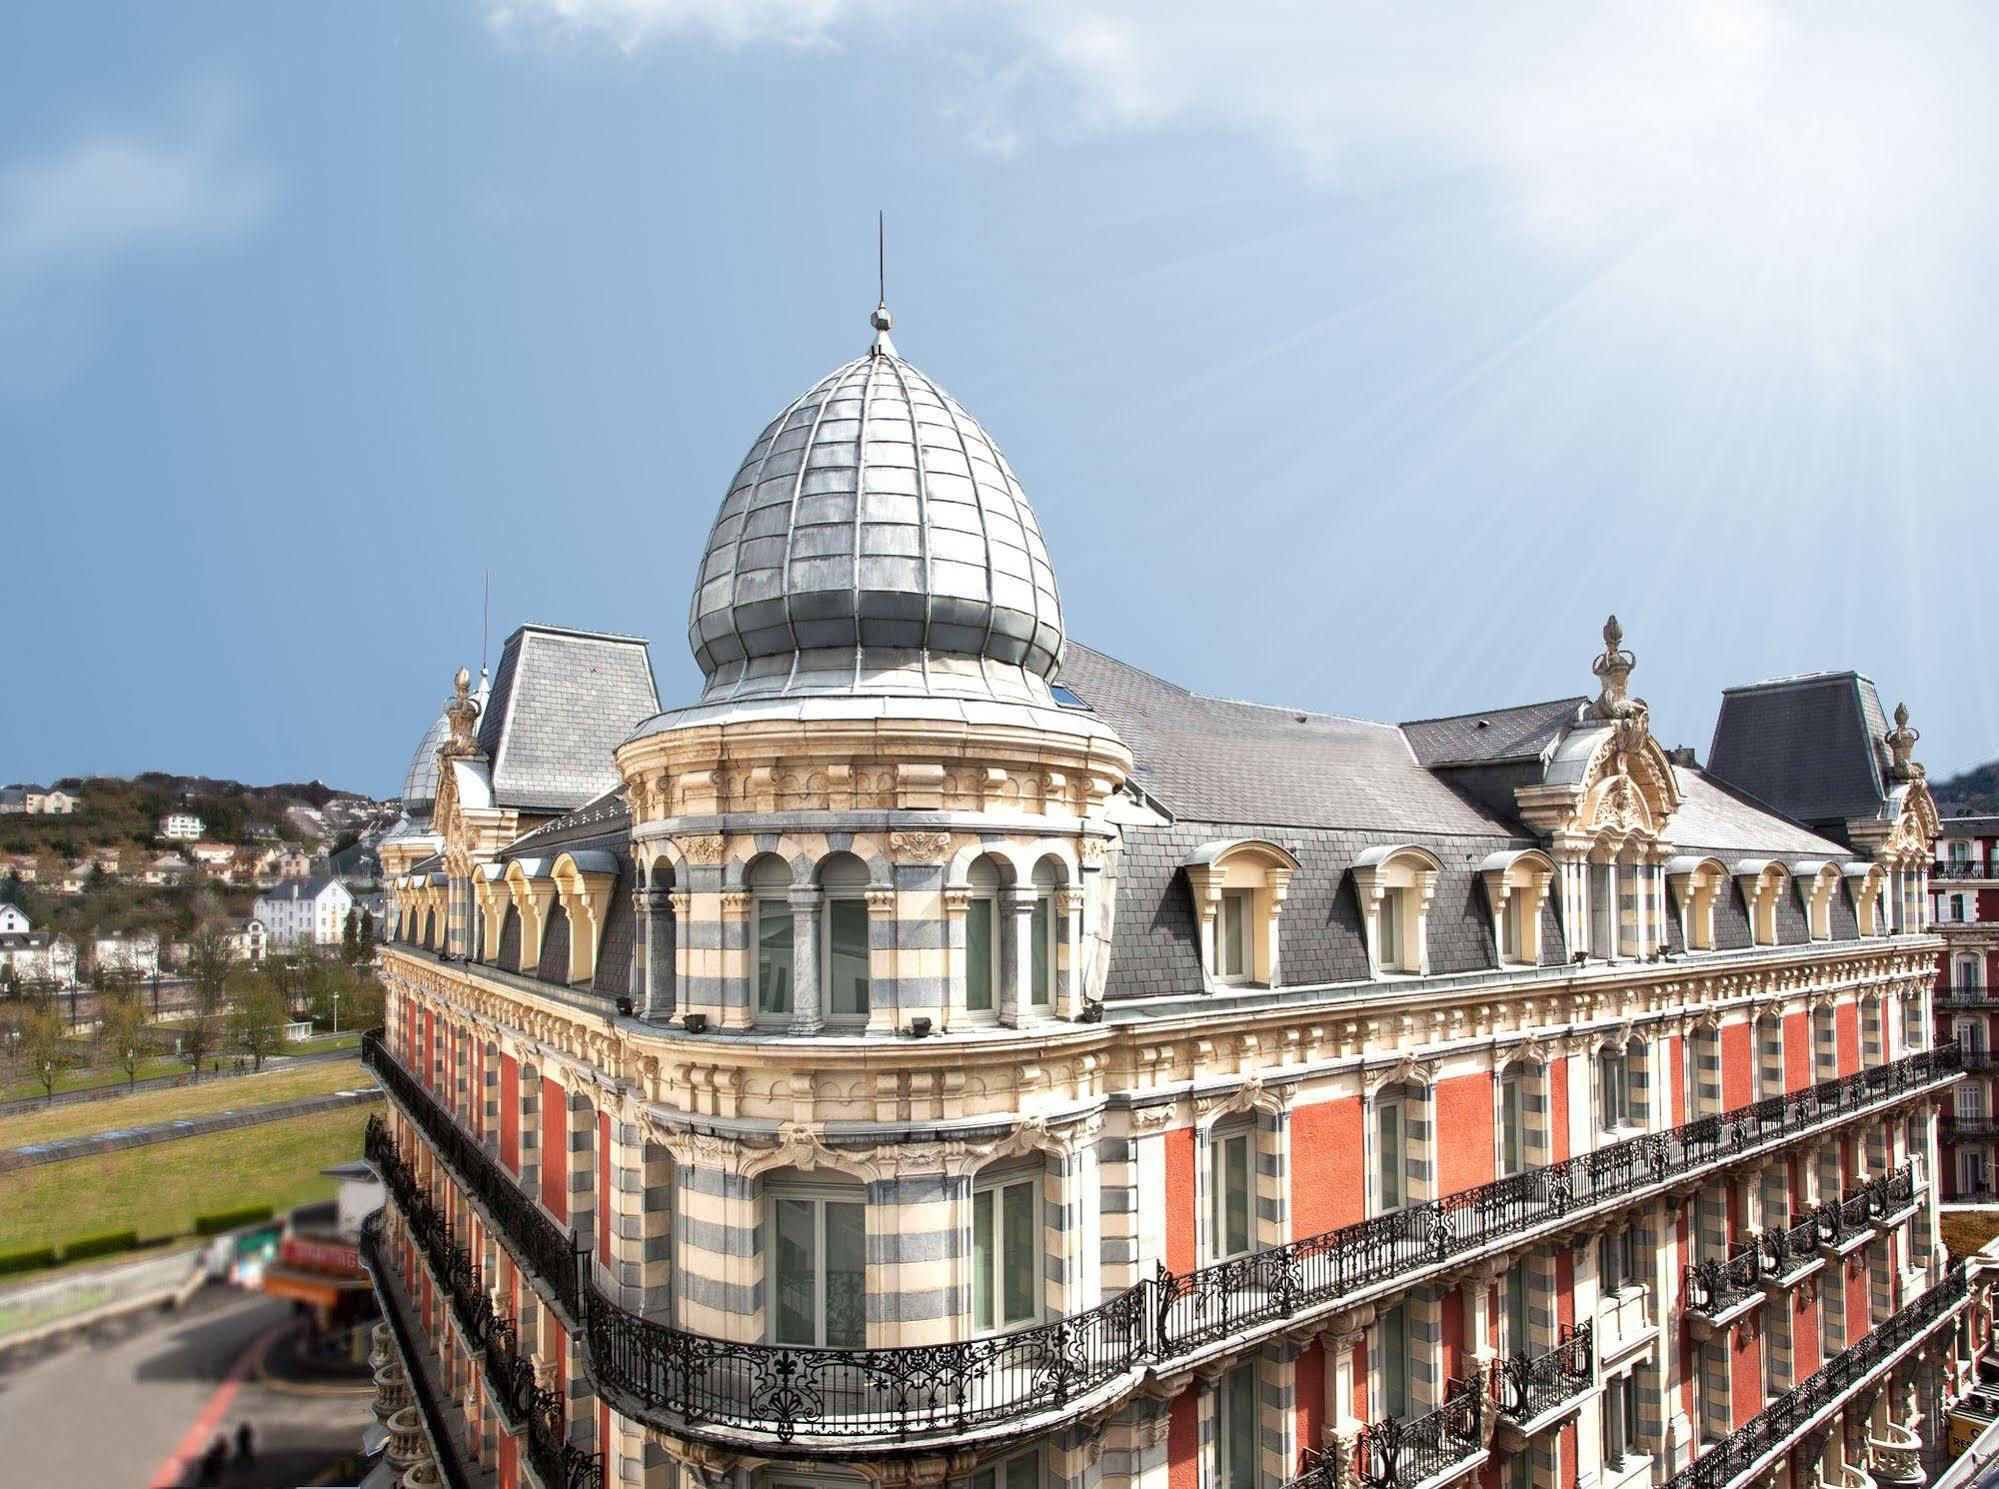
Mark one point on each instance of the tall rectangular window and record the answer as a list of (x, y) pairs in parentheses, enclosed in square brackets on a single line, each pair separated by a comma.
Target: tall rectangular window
[(1603, 911), (1511, 939), (1041, 955), (1517, 1335), (1231, 1187), (847, 959), (1620, 1419), (1394, 1336), (1006, 1254), (1388, 934), (981, 970), (1232, 936), (1390, 1158), (1614, 1086), (773, 956), (1512, 1124), (819, 1253), (1618, 1257), (1236, 1447)]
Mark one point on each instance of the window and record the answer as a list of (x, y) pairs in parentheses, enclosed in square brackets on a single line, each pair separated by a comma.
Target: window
[(843, 939), (1516, 1318), (1620, 1420), (1512, 1123), (1023, 1472), (1613, 1083), (1618, 1260), (1230, 1187), (819, 1253), (1006, 1253), (770, 883), (1236, 1446), (1391, 1169), (1389, 936), (981, 955), (1971, 1036), (1603, 911), (1044, 936), (1394, 1336), (1231, 936)]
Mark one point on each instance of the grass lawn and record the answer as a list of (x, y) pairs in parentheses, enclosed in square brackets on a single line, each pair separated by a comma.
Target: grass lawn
[(81, 1078), (288, 1084), (1964, 1231), (159, 1190)]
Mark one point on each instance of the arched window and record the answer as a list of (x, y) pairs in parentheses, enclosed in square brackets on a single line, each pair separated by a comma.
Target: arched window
[(844, 957), (983, 942), (1396, 886), (1045, 928), (1398, 1149), (1762, 881), (1818, 883), (769, 882), (1516, 888), (1620, 1085), (1867, 882), (1696, 883), (1521, 1101)]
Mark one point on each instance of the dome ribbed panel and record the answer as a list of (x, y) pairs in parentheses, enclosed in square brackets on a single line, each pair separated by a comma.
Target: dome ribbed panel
[(875, 517)]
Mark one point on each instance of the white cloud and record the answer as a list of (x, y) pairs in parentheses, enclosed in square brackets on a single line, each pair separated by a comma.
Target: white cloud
[(74, 215), (632, 23)]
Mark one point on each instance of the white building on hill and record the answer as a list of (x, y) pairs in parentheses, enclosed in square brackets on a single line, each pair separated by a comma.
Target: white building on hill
[(311, 913)]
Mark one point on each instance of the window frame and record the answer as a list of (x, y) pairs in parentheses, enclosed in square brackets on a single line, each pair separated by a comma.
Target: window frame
[(829, 905), (1396, 1106), (778, 906), (1238, 1444), (1223, 1140), (996, 1182), (1242, 903), (989, 902), (819, 1197)]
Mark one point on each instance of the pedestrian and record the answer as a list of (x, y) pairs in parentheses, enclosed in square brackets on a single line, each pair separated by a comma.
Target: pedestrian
[(246, 1445), (213, 1461)]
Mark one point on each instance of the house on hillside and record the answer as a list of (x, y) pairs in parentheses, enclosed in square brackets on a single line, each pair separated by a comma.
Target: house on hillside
[(12, 920), (21, 866), (37, 957), (292, 862), (308, 913), (246, 938), (134, 952), (168, 868), (182, 827), (35, 801), (217, 858)]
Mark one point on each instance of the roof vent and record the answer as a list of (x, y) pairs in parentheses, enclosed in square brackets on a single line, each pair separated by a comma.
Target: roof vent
[(1484, 724)]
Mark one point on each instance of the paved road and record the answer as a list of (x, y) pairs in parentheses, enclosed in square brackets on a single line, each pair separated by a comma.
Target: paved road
[(113, 1411)]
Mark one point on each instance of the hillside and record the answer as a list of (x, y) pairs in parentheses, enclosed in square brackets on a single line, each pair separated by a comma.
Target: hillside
[(117, 813), (1975, 793)]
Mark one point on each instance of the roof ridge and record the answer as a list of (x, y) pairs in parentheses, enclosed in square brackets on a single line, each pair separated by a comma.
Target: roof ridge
[(1486, 713)]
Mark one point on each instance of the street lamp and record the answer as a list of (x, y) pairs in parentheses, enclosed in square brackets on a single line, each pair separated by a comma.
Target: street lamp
[(336, 1015)]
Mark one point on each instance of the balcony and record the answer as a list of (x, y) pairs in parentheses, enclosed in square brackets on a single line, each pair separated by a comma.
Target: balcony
[(1529, 1393), (1969, 1129), (1790, 1254), (1966, 995), (1721, 1290), (1753, 1448), (1960, 869), (852, 1403)]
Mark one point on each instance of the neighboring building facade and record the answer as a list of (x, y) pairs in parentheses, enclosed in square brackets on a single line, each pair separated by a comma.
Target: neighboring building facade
[(35, 801), (308, 912), (1965, 885), (182, 827), (38, 958), (246, 939), (134, 953), (943, 1054), (13, 921)]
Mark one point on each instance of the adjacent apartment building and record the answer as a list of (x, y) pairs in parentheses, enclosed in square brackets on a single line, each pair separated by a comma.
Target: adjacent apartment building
[(941, 1053), (1965, 880), (310, 912)]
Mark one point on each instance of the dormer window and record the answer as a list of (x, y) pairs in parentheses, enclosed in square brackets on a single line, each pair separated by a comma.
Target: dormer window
[(1696, 884), (1395, 886), (1516, 888), (1239, 890)]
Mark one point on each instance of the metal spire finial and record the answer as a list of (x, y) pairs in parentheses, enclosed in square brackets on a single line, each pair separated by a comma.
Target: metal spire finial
[(881, 320)]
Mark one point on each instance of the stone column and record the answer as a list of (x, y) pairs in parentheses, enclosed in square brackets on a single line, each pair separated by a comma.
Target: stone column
[(806, 1018), (1017, 926)]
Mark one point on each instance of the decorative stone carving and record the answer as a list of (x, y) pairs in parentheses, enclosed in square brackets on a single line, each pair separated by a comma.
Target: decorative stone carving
[(707, 849), (919, 847)]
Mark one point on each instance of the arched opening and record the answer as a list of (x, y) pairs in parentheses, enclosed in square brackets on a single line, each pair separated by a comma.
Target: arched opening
[(769, 885), (844, 936), (984, 944)]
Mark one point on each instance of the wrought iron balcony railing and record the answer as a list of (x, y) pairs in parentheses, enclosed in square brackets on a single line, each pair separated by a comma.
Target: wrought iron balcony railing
[(450, 1467), (1525, 1388), (1969, 1129), (1751, 1447), (698, 1385), (1789, 1249), (1969, 868), (1715, 1285), (1965, 995), (1977, 1062), (528, 1406)]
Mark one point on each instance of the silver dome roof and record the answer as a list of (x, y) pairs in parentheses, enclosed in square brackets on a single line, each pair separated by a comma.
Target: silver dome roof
[(420, 783), (873, 529)]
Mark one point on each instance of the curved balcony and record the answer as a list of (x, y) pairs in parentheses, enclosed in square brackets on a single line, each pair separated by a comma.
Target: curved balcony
[(1530, 1391), (1720, 1290), (1753, 1447), (1895, 1456), (852, 1402)]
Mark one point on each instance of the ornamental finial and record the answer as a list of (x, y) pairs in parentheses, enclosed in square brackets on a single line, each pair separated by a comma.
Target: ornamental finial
[(1901, 742), (880, 319), (1613, 671), (462, 711)]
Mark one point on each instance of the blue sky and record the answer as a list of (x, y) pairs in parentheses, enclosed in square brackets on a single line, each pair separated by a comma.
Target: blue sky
[(1357, 357)]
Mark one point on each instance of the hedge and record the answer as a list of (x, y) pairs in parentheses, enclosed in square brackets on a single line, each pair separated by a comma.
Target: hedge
[(31, 1260), (223, 1220), (107, 1244)]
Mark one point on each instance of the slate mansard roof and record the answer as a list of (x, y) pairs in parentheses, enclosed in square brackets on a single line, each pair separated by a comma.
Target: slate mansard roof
[(562, 701), (1809, 746), (1327, 788)]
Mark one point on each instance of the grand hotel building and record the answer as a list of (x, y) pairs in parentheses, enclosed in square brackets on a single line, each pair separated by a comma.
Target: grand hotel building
[(941, 1054)]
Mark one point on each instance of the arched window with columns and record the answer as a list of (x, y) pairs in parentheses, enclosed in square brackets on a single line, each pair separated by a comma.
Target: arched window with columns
[(1516, 889), (1396, 885)]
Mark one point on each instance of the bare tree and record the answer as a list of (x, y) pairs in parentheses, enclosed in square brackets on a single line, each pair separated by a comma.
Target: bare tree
[(122, 1027), (44, 1045), (210, 958), (258, 1014)]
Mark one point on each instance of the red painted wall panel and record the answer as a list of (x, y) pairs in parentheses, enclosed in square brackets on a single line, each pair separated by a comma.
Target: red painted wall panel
[(1308, 1397), (1180, 1230), (1797, 1051), (510, 1463), (554, 1141), (1846, 1030), (1558, 1109), (1738, 1070), (1464, 1133), (1451, 1321), (1565, 1285), (1856, 1298), (1805, 1352), (1328, 1161), (510, 1114), (1183, 1441), (1568, 1454), (1676, 1048), (1359, 1405), (1745, 1376)]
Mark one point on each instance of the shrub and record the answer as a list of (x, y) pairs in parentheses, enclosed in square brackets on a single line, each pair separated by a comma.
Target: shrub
[(108, 1244), (33, 1259), (222, 1220)]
